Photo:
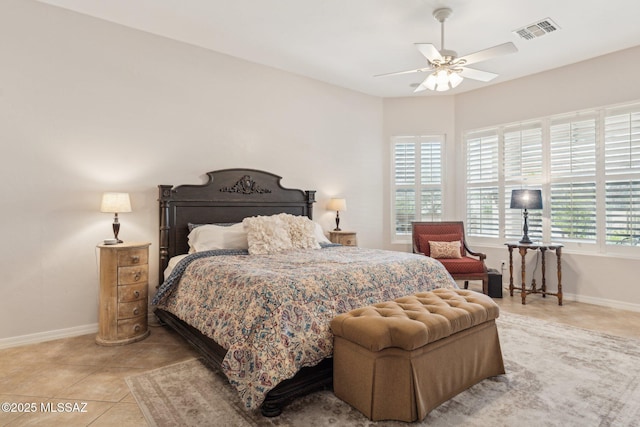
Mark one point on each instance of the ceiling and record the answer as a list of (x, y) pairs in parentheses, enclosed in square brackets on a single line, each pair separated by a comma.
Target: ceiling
[(347, 42)]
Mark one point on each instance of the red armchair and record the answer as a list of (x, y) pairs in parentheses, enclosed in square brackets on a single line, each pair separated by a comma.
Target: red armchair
[(463, 268)]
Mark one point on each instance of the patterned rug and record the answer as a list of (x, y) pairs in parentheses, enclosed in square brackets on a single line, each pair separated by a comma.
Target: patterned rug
[(556, 376)]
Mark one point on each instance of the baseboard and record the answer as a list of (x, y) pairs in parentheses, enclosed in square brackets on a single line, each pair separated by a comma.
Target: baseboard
[(621, 305), (48, 336)]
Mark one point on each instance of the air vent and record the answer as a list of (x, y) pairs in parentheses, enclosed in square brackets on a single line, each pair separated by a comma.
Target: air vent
[(537, 29)]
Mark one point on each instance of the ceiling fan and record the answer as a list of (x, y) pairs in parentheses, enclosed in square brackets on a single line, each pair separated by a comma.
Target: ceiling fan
[(448, 70)]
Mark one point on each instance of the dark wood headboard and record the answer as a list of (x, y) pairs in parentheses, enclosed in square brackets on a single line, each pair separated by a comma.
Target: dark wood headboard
[(229, 196)]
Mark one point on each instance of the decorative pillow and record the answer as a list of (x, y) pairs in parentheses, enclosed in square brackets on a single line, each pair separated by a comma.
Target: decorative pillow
[(301, 231), (210, 237), (445, 249), (424, 239), (267, 234)]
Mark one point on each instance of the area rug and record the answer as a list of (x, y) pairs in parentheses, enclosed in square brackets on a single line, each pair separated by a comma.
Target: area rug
[(557, 375)]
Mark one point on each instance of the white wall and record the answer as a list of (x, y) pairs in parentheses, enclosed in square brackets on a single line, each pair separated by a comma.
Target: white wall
[(603, 81), (88, 106)]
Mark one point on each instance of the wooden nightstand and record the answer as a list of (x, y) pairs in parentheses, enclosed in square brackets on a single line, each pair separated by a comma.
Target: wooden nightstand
[(346, 238), (124, 282)]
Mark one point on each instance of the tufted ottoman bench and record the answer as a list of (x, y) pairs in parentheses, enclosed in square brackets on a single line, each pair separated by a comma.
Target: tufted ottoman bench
[(400, 359)]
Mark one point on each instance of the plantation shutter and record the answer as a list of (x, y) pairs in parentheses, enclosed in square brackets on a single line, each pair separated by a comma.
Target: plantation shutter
[(622, 182), (417, 181), (483, 206), (573, 179), (522, 168)]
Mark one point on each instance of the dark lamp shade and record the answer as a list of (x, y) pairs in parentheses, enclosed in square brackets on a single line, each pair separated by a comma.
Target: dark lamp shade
[(526, 199)]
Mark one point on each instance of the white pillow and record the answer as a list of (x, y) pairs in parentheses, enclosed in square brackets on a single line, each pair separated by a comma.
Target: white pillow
[(210, 237), (267, 234), (319, 233)]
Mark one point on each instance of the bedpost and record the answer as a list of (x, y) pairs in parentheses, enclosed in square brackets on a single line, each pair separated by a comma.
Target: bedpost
[(164, 197), (311, 199)]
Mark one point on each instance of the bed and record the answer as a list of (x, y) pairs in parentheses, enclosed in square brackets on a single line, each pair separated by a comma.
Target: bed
[(281, 348)]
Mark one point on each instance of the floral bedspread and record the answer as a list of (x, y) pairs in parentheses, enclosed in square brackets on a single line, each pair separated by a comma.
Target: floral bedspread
[(272, 312)]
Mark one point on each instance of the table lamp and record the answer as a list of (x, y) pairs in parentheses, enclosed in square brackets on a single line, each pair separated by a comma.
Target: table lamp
[(526, 199), (115, 203), (337, 205)]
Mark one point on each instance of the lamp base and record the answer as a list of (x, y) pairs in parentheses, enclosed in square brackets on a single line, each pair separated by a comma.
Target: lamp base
[(525, 240)]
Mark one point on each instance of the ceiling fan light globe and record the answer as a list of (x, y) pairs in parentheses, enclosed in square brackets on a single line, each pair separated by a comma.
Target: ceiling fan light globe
[(442, 78), (430, 82), (455, 79)]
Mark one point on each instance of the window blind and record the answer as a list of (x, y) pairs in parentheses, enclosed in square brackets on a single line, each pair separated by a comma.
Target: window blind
[(622, 177)]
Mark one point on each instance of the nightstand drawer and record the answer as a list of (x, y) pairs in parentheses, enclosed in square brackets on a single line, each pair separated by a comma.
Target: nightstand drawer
[(134, 274), (346, 238), (127, 310), (128, 293), (133, 257), (128, 328)]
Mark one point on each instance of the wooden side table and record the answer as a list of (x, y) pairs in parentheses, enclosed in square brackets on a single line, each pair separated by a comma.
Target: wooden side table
[(543, 247), (346, 238), (124, 282)]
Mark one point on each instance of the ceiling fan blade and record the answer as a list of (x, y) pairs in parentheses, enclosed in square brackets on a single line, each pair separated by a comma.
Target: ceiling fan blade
[(472, 73), (429, 51), (417, 70), (421, 87), (486, 54)]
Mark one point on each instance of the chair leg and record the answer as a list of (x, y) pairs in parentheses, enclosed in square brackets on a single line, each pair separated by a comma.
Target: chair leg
[(485, 286), (466, 284)]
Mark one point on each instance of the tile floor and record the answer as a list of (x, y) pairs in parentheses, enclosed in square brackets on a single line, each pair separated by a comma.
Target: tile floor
[(76, 370)]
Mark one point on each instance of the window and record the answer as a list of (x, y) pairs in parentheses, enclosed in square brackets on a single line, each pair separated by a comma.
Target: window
[(622, 176), (573, 179), (522, 163), (587, 165), (483, 198), (417, 182)]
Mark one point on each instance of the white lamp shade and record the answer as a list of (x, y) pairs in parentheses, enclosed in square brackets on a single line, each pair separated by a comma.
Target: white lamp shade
[(337, 205), (115, 203)]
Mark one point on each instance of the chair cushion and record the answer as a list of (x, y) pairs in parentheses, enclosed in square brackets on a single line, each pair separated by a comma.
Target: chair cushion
[(424, 239), (464, 265)]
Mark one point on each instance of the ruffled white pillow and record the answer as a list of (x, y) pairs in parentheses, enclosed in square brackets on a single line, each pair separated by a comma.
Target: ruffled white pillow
[(302, 231), (277, 233), (267, 234)]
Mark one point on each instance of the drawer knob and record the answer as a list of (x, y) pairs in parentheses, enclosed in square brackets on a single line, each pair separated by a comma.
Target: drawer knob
[(136, 294), (136, 328), (136, 311), (135, 259), (137, 276)]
